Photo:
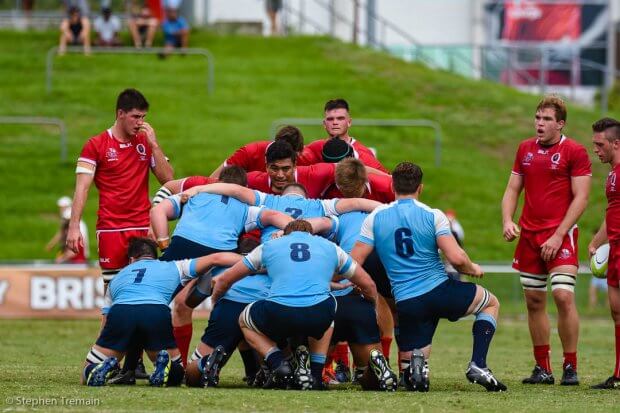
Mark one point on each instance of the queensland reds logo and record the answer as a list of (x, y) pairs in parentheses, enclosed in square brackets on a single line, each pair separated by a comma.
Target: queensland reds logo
[(555, 160), (141, 151)]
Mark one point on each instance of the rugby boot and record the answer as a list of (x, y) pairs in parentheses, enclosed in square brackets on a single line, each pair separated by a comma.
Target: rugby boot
[(102, 372), (260, 378), (162, 368), (127, 378), (418, 373), (342, 373), (140, 372), (211, 371), (302, 374), (483, 377), (280, 377), (539, 376), (609, 384), (569, 376), (388, 380)]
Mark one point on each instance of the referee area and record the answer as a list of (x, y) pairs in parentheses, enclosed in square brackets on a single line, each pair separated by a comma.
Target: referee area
[(259, 80)]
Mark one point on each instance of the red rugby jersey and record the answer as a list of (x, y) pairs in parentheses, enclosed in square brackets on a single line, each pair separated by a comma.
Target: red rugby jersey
[(612, 217), (547, 173), (122, 178), (378, 188), (313, 153), (250, 157), (192, 181), (315, 178)]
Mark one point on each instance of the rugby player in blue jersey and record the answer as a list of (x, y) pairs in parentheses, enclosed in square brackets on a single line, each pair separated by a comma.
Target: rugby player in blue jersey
[(408, 236)]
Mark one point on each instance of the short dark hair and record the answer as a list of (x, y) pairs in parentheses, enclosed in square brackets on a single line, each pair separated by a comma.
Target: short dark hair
[(233, 174), (298, 225), (336, 104), (295, 185), (610, 126), (292, 135), (141, 247), (336, 150), (280, 150), (406, 178), (131, 99), (247, 245)]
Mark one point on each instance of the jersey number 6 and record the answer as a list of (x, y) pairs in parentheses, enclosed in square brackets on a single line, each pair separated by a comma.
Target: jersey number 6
[(403, 242)]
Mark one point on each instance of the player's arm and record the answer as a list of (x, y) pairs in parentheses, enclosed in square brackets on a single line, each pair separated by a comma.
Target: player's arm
[(239, 192), (321, 225), (160, 215), (249, 264), (222, 259), (216, 174), (580, 186), (599, 238), (344, 205), (270, 217), (83, 181), (509, 206), (375, 171), (348, 268), (161, 169), (457, 256)]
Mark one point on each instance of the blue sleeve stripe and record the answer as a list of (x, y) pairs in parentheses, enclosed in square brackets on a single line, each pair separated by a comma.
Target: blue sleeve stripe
[(177, 207), (366, 240), (443, 232), (248, 264), (259, 224), (192, 267), (256, 198), (346, 266)]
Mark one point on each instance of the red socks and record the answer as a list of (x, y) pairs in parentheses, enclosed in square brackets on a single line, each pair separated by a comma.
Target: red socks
[(570, 358), (617, 369), (183, 336), (341, 353), (541, 354), (386, 343)]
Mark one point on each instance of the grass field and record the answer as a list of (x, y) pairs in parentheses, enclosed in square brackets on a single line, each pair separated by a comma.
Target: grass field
[(41, 360), (257, 81)]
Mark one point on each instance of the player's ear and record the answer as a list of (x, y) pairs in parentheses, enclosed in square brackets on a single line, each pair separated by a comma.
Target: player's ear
[(420, 188)]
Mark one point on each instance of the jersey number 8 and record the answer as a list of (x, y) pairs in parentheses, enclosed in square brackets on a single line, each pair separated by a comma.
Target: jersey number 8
[(300, 252)]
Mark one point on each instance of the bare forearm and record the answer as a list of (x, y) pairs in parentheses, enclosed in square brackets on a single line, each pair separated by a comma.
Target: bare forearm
[(79, 201), (509, 205), (601, 235), (163, 170)]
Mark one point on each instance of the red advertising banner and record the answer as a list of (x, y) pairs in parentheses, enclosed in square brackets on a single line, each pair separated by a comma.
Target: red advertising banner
[(533, 21), (54, 291)]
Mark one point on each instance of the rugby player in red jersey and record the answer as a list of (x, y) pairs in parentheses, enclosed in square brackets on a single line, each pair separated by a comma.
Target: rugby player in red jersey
[(606, 142), (251, 157), (337, 122), (555, 173)]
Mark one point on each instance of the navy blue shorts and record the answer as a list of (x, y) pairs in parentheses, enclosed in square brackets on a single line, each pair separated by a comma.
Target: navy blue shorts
[(181, 248), (374, 267), (223, 328), (279, 322), (148, 326), (355, 321), (418, 316)]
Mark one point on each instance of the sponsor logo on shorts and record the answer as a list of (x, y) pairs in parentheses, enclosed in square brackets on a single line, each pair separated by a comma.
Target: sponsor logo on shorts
[(565, 253), (104, 259)]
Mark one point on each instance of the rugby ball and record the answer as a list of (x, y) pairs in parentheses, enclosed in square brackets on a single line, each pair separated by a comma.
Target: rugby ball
[(598, 262)]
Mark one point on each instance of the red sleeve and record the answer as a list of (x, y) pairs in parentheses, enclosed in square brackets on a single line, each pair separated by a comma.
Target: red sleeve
[(516, 167), (368, 159), (242, 157), (90, 153), (581, 164), (312, 153), (192, 181), (381, 188), (259, 181), (322, 174)]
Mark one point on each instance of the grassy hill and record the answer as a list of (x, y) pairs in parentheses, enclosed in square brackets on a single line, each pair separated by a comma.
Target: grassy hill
[(257, 81)]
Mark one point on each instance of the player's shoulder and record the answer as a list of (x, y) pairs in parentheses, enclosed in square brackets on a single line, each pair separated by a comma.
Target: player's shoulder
[(257, 145), (316, 145), (528, 142), (572, 144), (101, 138)]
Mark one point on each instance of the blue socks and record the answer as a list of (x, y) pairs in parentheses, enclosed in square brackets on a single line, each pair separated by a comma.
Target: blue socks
[(482, 330)]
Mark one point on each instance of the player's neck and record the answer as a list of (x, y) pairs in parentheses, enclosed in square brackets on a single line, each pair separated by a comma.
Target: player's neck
[(615, 160), (119, 135), (407, 196), (553, 140), (345, 138)]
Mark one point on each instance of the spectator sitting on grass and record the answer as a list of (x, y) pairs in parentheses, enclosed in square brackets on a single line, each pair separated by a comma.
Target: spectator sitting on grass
[(74, 30), (107, 27)]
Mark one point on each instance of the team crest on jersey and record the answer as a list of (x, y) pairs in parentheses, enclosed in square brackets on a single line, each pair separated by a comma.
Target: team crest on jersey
[(527, 159), (555, 160), (612, 182), (564, 253), (111, 154), (141, 149)]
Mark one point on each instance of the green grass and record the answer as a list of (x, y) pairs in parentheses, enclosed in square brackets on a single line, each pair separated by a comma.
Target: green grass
[(42, 360), (257, 81)]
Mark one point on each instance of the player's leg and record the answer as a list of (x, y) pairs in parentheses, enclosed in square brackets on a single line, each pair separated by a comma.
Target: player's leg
[(485, 307), (251, 365), (563, 280), (613, 292), (182, 321), (101, 364), (386, 325), (318, 351)]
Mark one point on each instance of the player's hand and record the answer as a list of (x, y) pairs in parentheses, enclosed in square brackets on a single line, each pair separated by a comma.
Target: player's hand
[(334, 286), (150, 134), (511, 231), (278, 234), (74, 239), (591, 249), (477, 271), (188, 193), (550, 248), (219, 286)]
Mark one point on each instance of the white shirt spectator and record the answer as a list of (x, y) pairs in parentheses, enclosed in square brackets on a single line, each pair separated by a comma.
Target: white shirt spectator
[(107, 28)]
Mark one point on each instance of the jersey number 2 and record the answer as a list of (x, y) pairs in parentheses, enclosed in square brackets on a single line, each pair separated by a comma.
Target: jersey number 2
[(300, 252), (140, 275), (403, 242)]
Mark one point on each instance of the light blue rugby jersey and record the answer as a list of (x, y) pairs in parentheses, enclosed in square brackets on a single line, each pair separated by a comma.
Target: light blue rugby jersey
[(150, 281), (248, 289), (346, 230), (215, 221), (405, 235), (296, 206), (301, 267)]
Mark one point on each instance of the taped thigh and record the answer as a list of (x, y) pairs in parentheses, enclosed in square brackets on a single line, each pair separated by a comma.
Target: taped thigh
[(533, 282)]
